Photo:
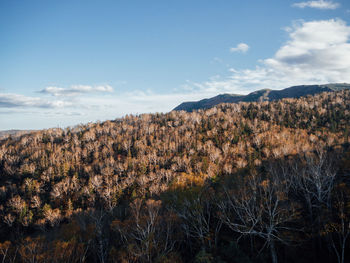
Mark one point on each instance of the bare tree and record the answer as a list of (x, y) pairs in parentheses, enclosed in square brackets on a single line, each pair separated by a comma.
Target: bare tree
[(260, 207), (99, 218), (196, 212), (338, 229), (146, 233), (313, 181)]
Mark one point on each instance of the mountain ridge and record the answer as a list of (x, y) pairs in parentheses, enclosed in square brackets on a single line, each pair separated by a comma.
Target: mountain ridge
[(261, 95), (13, 133)]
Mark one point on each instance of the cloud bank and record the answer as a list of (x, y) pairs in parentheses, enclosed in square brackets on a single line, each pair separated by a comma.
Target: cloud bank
[(8, 100), (320, 4), (76, 90), (316, 52)]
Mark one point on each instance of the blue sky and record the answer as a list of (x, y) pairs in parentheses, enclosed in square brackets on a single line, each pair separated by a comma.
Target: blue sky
[(68, 62)]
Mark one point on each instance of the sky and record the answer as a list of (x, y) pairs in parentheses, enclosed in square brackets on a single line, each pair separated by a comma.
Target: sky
[(64, 63)]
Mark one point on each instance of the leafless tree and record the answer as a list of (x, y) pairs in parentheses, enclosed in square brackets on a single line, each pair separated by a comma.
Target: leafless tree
[(99, 218), (313, 181), (338, 229), (147, 234), (260, 207), (197, 211)]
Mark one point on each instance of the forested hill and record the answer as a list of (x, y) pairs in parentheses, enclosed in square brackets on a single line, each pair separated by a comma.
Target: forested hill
[(248, 182), (262, 95)]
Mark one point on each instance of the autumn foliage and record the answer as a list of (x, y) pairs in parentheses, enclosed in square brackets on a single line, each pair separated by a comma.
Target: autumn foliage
[(248, 182)]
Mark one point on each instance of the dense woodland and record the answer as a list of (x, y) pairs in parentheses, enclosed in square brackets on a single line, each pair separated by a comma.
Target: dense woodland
[(247, 182)]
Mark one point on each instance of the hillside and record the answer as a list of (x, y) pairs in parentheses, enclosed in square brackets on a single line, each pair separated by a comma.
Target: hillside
[(261, 95), (247, 182)]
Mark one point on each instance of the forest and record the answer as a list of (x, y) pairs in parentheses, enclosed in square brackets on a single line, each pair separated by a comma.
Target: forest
[(246, 182)]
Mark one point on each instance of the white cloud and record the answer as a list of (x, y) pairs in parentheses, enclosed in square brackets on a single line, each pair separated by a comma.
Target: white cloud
[(241, 47), (76, 90), (8, 100), (316, 52), (320, 4)]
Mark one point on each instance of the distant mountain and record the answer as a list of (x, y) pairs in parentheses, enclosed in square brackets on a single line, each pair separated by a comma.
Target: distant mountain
[(13, 133), (261, 95)]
